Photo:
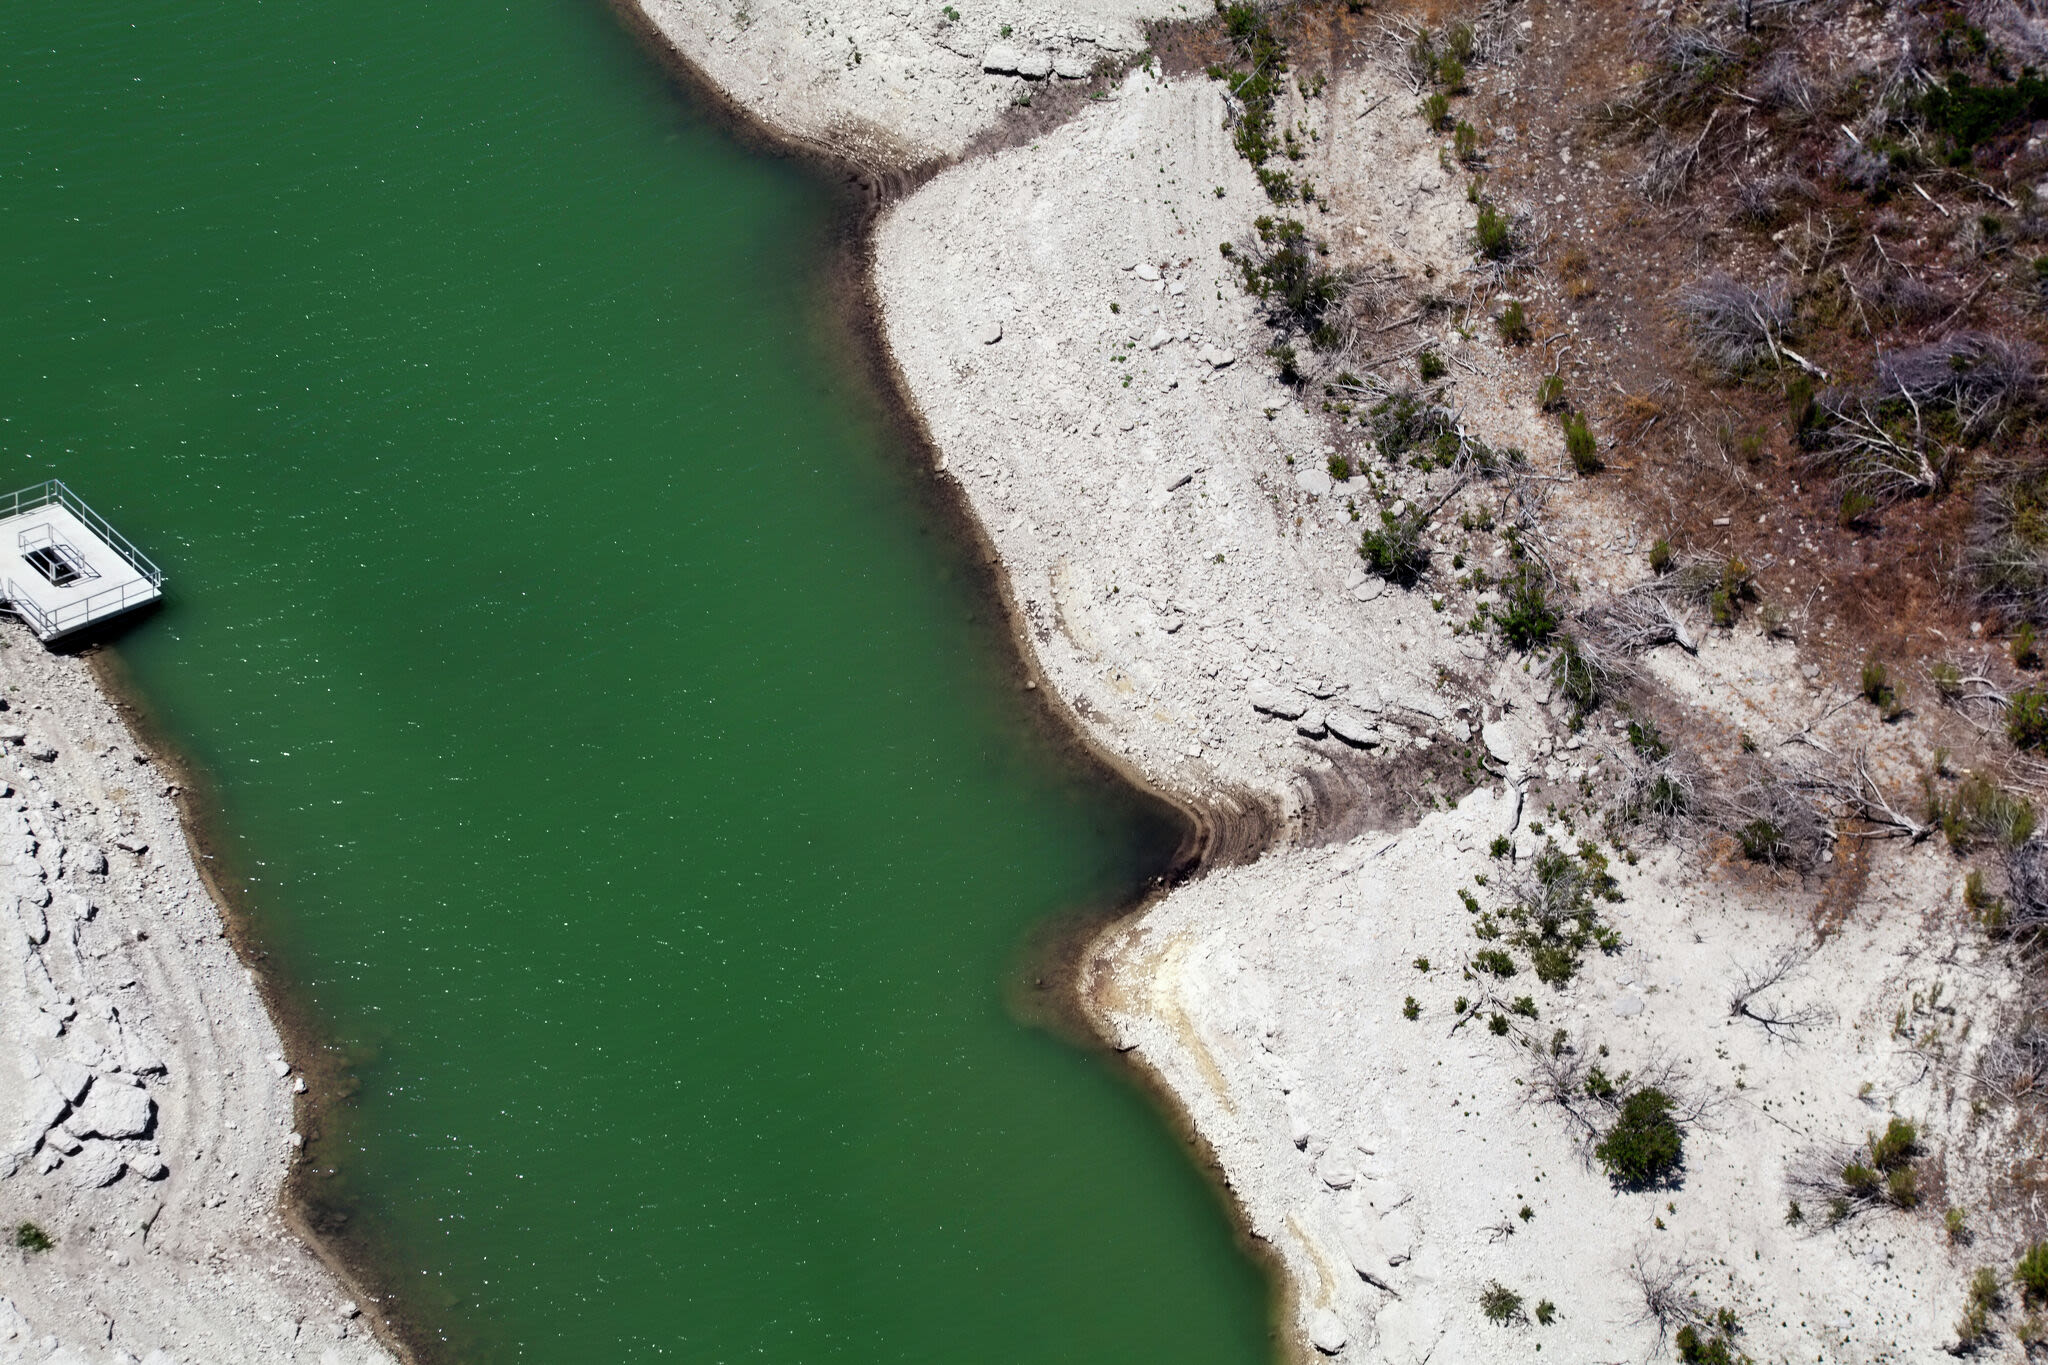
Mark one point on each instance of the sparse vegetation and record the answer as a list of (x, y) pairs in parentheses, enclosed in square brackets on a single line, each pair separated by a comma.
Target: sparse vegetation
[(32, 1239), (1394, 549), (1581, 446), (1645, 1147), (1500, 1304)]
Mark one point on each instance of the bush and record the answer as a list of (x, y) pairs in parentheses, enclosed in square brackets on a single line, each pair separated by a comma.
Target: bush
[(1546, 1313), (2031, 1274), (1513, 325), (1580, 444), (2026, 719), (1661, 555), (1493, 234), (1579, 677), (1525, 617), (1283, 269), (1550, 393), (1411, 1010), (1709, 1343), (1394, 549), (1436, 110), (1645, 1146), (1431, 367), (1465, 142), (30, 1238), (1495, 961), (1500, 1303), (1985, 1297)]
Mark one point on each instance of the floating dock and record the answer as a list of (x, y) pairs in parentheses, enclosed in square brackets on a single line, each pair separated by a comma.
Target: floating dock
[(63, 568)]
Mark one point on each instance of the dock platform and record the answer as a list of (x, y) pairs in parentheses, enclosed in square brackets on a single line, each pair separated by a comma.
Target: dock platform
[(63, 568)]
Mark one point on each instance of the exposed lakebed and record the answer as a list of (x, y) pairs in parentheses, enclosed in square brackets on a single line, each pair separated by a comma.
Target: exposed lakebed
[(610, 742)]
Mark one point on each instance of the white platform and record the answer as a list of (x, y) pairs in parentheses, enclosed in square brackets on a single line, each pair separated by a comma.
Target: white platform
[(63, 568)]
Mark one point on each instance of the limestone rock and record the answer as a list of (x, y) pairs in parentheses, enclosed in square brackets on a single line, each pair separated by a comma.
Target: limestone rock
[(1001, 60), (1147, 271), (1326, 1331), (1277, 701), (1499, 740), (1352, 728), (1310, 724), (1072, 66), (114, 1110), (990, 332), (99, 1164), (1034, 66), (92, 861), (1314, 482), (147, 1165)]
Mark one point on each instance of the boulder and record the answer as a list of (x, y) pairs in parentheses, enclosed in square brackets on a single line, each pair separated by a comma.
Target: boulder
[(1314, 482), (1034, 66), (101, 1163), (35, 925), (42, 752), (1352, 728), (990, 332), (114, 1110), (1310, 724), (1369, 590), (1277, 701), (147, 1165), (1326, 1331), (1073, 66), (1161, 336), (1001, 60), (1215, 357), (92, 861), (1147, 271), (1498, 739)]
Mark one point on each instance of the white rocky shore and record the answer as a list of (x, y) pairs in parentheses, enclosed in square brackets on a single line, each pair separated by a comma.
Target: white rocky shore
[(1185, 579), (146, 1100)]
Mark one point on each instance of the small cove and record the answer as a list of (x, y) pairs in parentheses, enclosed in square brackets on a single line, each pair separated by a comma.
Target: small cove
[(609, 741)]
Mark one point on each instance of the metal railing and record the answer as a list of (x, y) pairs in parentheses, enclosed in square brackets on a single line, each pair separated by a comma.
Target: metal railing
[(53, 491), (73, 615)]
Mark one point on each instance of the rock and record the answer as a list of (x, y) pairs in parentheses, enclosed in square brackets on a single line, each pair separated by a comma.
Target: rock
[(1160, 336), (1326, 1331), (1298, 1130), (1628, 1007), (1352, 728), (101, 1163), (349, 1310), (1276, 701), (114, 1110), (1034, 66), (62, 1139), (1310, 724), (990, 332), (131, 845), (1499, 740), (1458, 731), (1215, 357), (34, 924), (70, 1078), (1370, 589), (281, 1067), (42, 752), (1314, 482), (147, 1165), (1001, 59), (1337, 1170), (1072, 66), (1147, 271), (92, 861), (12, 734)]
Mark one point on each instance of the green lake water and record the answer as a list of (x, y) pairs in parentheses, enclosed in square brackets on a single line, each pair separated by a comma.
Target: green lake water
[(615, 747)]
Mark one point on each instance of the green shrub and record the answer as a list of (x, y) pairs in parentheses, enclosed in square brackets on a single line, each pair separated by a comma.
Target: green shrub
[(1498, 1025), (1436, 110), (1550, 393), (1763, 841), (1431, 367), (30, 1238), (1500, 1303), (1459, 41), (1513, 325), (1578, 677), (1451, 73), (1708, 1343), (1546, 1313), (1525, 618), (2026, 719), (1661, 555), (2031, 1274), (1394, 549), (1580, 444), (1524, 1006), (1465, 142), (1283, 269), (1985, 1298), (1501, 846), (1645, 1145), (1495, 961), (1493, 234), (1411, 1010)]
